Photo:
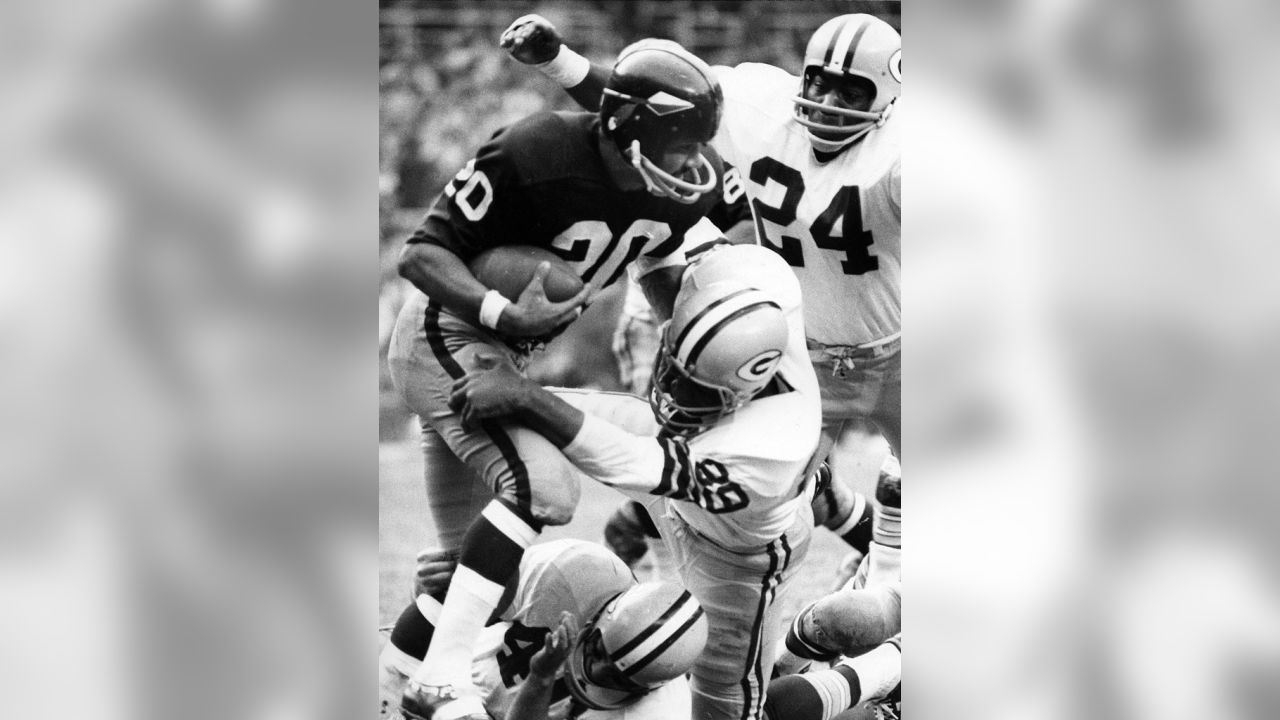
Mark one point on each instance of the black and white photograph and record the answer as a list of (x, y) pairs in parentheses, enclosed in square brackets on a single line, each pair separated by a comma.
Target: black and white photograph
[(641, 324), (661, 289)]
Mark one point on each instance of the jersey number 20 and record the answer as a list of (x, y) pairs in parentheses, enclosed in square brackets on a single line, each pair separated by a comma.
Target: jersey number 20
[(853, 240)]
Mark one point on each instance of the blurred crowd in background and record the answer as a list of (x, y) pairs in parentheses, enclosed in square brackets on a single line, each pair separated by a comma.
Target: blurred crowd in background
[(446, 86)]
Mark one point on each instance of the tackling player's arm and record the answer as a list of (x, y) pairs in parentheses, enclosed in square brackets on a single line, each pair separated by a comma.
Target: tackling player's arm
[(493, 390), (533, 40), (607, 453)]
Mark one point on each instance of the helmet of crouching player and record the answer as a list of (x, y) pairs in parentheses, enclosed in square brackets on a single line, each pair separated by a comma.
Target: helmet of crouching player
[(641, 639)]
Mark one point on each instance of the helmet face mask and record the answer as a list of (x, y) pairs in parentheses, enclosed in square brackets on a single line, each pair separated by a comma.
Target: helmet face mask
[(587, 681), (721, 347), (660, 99), (850, 48), (600, 670), (638, 641), (849, 113), (682, 403)]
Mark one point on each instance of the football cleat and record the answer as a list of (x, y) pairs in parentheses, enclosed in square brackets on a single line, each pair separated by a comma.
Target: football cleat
[(851, 622), (889, 484), (439, 702), (887, 529)]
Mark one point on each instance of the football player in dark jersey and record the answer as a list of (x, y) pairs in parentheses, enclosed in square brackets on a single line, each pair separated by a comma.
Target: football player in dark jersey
[(603, 191)]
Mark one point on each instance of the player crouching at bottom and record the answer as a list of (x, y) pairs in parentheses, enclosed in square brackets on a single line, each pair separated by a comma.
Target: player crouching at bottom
[(637, 641)]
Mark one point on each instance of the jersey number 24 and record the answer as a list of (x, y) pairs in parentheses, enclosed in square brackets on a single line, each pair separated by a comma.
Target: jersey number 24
[(853, 240)]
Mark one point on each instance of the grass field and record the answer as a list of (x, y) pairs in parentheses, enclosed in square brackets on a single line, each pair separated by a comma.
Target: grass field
[(405, 526)]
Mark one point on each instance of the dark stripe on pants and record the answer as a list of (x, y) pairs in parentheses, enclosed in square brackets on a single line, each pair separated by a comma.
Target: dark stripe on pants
[(777, 565), (435, 338), (523, 494), (500, 438)]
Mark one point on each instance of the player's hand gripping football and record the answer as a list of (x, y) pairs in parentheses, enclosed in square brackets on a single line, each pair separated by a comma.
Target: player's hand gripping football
[(533, 315), (531, 39), (493, 389)]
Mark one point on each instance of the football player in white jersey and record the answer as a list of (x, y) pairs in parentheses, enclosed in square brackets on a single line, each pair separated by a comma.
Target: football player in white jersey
[(629, 661), (718, 457), (821, 157)]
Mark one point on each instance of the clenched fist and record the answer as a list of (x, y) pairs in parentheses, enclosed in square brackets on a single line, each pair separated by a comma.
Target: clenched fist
[(531, 39)]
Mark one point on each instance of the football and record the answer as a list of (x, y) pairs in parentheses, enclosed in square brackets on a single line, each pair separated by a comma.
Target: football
[(508, 269)]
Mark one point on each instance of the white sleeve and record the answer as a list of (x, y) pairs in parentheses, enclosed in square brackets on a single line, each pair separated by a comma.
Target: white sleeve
[(629, 412), (615, 457), (669, 466), (701, 235)]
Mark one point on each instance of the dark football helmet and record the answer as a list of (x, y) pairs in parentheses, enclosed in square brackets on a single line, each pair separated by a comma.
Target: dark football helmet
[(660, 95)]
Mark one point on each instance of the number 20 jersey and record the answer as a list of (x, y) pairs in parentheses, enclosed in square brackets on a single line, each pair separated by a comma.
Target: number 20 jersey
[(541, 181), (838, 224)]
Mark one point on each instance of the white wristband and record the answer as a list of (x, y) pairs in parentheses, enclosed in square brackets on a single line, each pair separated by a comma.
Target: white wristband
[(491, 308), (567, 68)]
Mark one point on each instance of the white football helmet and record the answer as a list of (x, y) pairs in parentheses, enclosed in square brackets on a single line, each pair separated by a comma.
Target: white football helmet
[(642, 638), (722, 345), (854, 45)]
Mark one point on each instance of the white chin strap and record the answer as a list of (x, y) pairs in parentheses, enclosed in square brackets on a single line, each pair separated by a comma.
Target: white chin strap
[(850, 133), (664, 184)]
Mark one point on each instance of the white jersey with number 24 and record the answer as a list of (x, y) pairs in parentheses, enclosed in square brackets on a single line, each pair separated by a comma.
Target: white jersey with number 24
[(837, 224)]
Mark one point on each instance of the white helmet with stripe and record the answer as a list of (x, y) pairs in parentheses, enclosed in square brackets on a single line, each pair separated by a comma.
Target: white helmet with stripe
[(851, 46), (722, 346), (640, 640)]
